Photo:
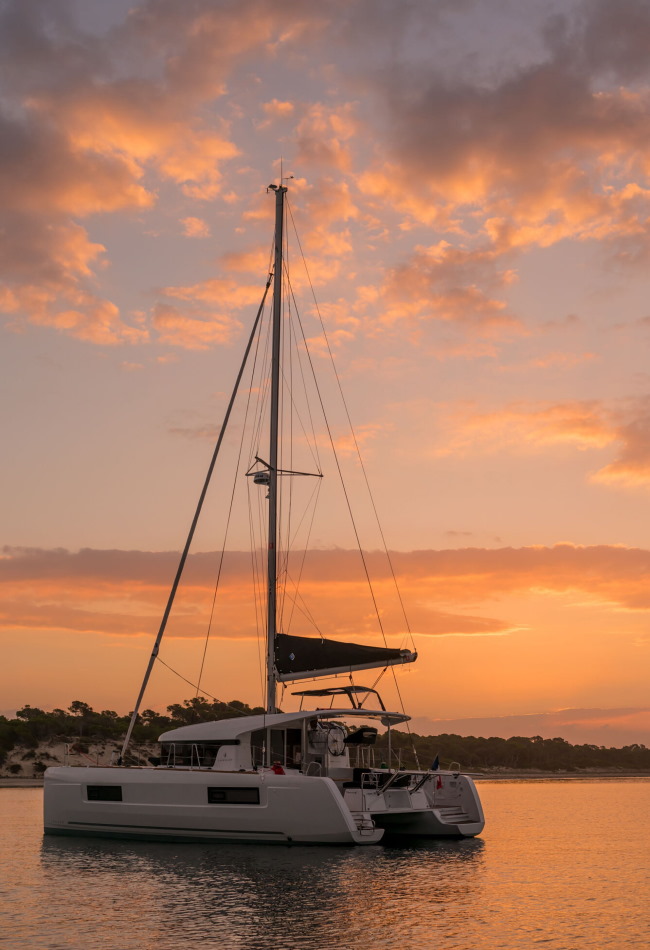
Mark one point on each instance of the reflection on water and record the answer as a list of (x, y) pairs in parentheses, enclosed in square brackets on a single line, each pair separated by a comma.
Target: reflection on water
[(563, 865), (250, 893)]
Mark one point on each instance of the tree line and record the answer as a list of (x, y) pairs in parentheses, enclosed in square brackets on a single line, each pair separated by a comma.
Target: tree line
[(476, 753), (83, 725)]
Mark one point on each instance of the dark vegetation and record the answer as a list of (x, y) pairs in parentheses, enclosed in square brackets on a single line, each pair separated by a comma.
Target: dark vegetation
[(520, 752), (82, 725)]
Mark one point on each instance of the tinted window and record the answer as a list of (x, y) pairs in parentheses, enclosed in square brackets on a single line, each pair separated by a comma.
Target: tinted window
[(104, 793), (192, 754), (234, 796)]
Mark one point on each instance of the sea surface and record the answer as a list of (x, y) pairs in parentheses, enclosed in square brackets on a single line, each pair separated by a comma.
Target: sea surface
[(561, 864)]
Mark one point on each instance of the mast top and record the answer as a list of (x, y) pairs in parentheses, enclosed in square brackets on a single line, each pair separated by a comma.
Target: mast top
[(280, 187)]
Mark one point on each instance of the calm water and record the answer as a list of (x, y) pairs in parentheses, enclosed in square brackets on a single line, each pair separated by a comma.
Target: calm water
[(560, 865)]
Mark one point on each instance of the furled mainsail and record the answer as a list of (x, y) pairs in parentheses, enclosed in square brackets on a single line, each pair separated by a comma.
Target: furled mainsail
[(302, 657)]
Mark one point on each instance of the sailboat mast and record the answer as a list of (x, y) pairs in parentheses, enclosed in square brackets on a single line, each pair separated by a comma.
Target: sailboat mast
[(280, 191)]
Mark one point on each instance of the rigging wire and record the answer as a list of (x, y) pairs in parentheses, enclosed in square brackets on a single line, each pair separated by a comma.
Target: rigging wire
[(363, 469), (261, 389), (230, 508), (345, 492), (304, 610), (203, 692), (313, 445), (256, 593), (285, 498), (347, 413), (190, 536), (313, 502)]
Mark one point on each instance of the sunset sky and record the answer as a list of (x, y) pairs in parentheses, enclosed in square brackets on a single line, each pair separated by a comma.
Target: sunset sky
[(471, 186)]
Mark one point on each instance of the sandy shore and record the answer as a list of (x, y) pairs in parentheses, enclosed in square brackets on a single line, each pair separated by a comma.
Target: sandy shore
[(21, 782)]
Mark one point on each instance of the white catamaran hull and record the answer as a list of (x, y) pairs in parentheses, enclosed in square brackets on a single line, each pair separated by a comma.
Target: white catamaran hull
[(183, 805), (259, 806)]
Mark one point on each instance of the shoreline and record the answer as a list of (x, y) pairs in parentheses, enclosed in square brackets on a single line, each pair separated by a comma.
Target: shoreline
[(505, 774)]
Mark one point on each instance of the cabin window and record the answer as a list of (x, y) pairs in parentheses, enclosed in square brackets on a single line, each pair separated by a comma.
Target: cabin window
[(104, 793), (192, 755), (233, 796), (283, 746)]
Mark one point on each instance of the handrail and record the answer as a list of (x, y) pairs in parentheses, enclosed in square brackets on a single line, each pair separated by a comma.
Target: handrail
[(394, 778), (425, 778)]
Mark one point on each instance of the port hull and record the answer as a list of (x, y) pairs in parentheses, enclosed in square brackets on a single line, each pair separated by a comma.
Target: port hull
[(183, 805)]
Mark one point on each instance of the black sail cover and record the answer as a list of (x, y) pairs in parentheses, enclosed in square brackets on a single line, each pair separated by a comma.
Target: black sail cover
[(302, 657)]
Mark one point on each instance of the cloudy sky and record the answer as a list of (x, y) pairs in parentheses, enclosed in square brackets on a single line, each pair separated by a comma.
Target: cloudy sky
[(472, 191)]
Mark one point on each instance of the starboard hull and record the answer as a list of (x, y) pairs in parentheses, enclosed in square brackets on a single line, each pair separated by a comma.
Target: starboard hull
[(445, 805)]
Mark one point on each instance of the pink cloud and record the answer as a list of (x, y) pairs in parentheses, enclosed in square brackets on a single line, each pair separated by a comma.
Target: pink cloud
[(324, 134), (195, 228), (100, 590), (580, 423), (448, 284), (544, 148), (196, 331), (607, 727), (92, 116)]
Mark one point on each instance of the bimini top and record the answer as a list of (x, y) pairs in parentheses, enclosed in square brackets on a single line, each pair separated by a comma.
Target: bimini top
[(222, 729)]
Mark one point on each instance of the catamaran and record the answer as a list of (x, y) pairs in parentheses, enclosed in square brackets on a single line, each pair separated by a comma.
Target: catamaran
[(309, 776)]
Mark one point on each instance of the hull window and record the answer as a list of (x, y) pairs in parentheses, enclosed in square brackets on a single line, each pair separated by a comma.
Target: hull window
[(104, 793), (233, 796)]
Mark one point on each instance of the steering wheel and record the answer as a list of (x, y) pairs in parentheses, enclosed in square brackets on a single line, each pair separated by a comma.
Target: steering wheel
[(336, 740)]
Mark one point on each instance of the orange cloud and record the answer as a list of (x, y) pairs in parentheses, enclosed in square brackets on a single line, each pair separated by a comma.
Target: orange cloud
[(206, 317), (449, 284), (90, 119), (527, 153), (124, 592), (48, 260), (226, 292), (632, 467), (582, 424), (195, 228), (256, 261), (608, 727), (575, 616), (529, 192), (323, 135), (276, 108), (196, 331)]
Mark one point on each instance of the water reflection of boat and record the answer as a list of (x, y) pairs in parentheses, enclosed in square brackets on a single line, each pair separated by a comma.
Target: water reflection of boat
[(255, 896), (306, 776)]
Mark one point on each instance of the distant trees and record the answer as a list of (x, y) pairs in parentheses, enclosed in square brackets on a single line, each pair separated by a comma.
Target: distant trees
[(519, 752), (200, 709), (81, 724)]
